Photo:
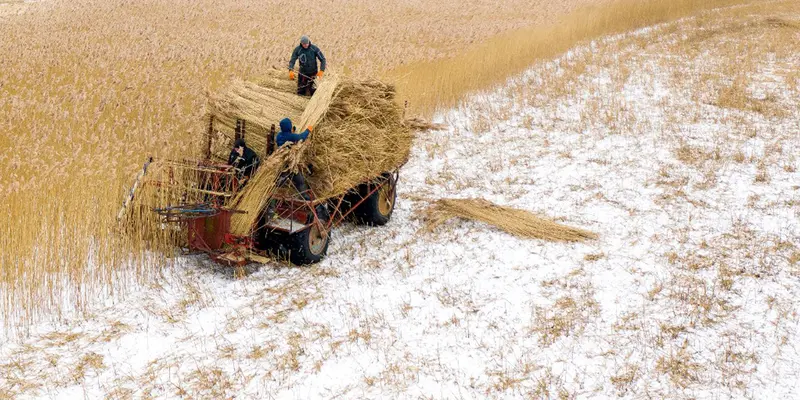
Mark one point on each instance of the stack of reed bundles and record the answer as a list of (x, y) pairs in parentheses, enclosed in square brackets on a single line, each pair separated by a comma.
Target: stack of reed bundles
[(260, 107), (359, 133)]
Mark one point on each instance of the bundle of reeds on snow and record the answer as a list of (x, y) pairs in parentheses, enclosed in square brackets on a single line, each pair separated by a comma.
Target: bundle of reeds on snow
[(515, 221)]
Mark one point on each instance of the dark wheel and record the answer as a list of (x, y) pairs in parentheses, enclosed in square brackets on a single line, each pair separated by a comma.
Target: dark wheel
[(308, 246), (377, 209)]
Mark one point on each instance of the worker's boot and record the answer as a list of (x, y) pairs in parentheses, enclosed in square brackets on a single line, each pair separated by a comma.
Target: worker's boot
[(270, 211)]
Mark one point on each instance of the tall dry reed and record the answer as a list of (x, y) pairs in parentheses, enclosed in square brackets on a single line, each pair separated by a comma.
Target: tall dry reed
[(441, 83)]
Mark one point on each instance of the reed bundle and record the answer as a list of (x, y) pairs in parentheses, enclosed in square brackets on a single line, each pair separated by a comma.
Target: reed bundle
[(359, 133), (515, 221), (276, 79), (260, 106), (421, 124), (317, 107), (253, 198), (361, 136)]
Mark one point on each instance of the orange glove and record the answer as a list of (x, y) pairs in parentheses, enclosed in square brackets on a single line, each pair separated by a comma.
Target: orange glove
[(291, 75), (310, 128), (320, 73)]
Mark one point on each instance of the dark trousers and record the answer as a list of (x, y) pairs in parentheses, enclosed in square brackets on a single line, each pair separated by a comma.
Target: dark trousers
[(305, 84), (299, 182)]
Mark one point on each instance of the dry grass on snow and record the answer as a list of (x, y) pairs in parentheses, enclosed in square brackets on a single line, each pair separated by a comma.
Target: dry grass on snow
[(517, 222), (718, 124)]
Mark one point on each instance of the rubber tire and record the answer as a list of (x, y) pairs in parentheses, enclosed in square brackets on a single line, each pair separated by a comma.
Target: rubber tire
[(294, 247), (369, 212), (298, 247)]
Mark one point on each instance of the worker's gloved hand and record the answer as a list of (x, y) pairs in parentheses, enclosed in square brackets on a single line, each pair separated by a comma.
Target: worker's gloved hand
[(291, 75), (320, 73), (310, 128)]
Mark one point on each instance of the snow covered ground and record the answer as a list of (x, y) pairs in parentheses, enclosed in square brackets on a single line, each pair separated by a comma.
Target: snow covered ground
[(677, 145)]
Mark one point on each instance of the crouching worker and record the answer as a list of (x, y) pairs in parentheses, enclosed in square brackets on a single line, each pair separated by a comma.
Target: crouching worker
[(286, 138), (244, 160)]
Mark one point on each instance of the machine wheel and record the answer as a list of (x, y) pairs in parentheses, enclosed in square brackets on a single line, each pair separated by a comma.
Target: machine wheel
[(308, 246), (377, 209)]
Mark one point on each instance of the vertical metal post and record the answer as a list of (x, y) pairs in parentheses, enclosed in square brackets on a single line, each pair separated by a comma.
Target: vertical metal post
[(209, 135), (237, 132), (269, 147)]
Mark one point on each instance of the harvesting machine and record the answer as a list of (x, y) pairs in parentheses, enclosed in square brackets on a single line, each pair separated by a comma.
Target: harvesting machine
[(290, 225)]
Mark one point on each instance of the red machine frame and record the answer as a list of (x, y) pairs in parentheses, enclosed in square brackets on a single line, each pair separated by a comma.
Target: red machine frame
[(208, 224)]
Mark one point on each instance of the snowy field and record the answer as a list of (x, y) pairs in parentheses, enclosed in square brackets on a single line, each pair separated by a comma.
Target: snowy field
[(678, 145)]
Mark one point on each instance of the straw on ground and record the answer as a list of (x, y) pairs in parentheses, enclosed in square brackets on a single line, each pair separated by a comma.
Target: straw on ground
[(512, 220)]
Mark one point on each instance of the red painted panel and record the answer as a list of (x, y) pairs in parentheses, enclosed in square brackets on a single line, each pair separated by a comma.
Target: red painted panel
[(209, 233)]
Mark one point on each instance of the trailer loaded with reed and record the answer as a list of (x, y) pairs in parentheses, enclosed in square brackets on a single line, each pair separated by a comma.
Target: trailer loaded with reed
[(351, 163)]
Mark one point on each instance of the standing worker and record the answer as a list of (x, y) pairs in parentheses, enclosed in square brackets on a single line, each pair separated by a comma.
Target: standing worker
[(307, 54)]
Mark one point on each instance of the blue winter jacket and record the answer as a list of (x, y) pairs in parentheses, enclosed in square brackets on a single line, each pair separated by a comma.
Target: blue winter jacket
[(286, 135), (308, 59)]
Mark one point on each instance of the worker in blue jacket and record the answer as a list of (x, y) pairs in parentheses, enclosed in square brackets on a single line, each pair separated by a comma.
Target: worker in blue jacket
[(286, 138)]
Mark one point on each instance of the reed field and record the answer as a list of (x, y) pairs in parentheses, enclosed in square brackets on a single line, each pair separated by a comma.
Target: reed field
[(90, 89), (620, 219)]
